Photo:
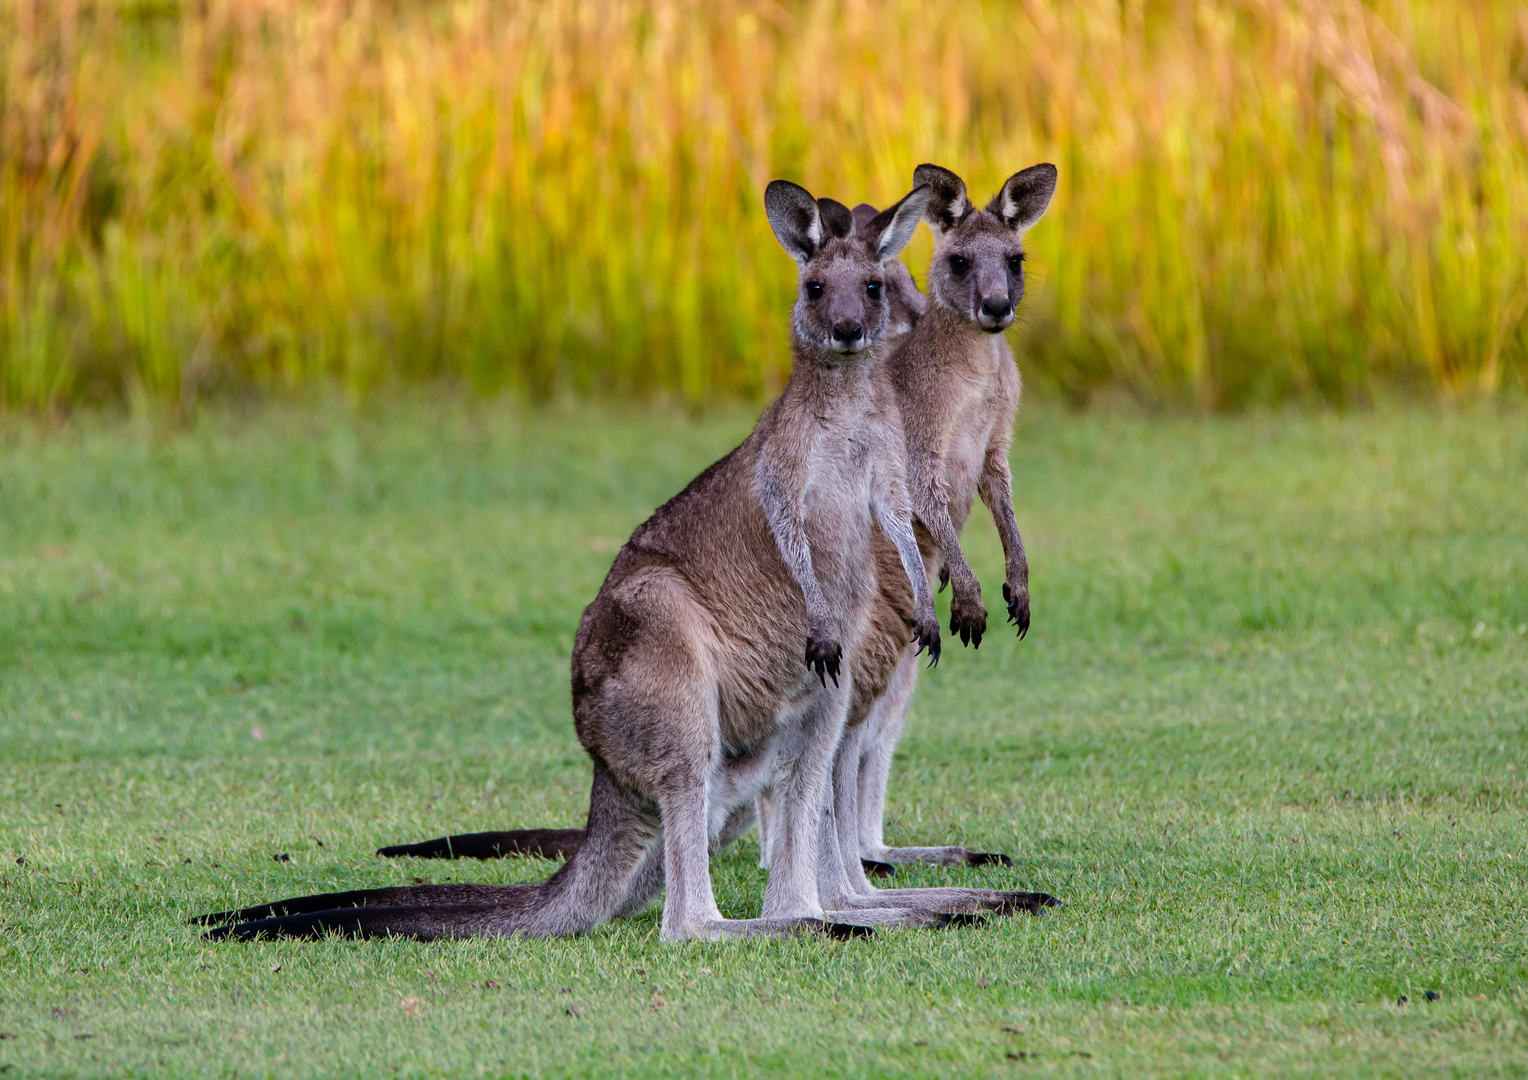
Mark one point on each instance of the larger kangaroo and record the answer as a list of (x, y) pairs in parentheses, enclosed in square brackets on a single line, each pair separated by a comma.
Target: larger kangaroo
[(689, 691), (958, 390)]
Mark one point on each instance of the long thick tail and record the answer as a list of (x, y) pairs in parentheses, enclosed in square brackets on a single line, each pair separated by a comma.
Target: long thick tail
[(537, 843), (588, 889)]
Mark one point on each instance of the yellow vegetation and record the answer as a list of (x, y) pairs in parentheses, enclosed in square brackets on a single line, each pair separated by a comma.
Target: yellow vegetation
[(1259, 200)]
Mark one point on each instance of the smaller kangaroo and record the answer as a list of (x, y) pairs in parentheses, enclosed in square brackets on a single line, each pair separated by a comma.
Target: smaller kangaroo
[(958, 391), (689, 691)]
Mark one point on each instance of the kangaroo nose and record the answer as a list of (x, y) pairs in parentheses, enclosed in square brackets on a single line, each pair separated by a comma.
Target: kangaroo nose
[(997, 310), (847, 331)]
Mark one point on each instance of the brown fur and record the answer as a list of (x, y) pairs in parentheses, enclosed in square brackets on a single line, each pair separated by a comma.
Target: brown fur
[(690, 693)]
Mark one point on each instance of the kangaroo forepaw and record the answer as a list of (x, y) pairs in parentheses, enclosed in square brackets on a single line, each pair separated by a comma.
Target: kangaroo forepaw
[(926, 634), (823, 657), (1018, 608), (968, 619)]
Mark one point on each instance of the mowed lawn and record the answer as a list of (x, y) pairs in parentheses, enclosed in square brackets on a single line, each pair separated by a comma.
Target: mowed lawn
[(1267, 739)]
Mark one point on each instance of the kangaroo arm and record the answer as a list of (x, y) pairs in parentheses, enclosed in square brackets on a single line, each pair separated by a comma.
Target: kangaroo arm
[(996, 490), (784, 508), (932, 506), (893, 512), (781, 486)]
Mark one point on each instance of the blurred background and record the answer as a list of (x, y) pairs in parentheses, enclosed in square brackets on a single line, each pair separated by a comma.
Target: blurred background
[(1261, 200)]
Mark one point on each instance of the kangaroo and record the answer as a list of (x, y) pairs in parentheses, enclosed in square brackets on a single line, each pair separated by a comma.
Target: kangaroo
[(689, 691), (958, 391), (904, 307)]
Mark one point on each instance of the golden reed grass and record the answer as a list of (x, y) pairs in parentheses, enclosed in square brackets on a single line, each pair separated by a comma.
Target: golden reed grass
[(1260, 199)]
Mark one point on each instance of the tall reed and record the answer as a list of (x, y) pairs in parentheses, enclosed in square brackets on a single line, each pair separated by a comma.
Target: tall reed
[(1260, 199)]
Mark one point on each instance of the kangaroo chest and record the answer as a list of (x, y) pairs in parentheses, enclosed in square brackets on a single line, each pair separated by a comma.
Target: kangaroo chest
[(975, 415), (838, 515)]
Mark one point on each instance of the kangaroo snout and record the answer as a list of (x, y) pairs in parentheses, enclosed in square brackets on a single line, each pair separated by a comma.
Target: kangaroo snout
[(848, 336), (996, 314)]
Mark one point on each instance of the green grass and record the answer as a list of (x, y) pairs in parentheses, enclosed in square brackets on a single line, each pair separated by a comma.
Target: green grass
[(1268, 739)]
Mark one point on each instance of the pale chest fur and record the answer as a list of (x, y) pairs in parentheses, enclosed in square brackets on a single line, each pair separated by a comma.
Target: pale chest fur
[(837, 502), (981, 402)]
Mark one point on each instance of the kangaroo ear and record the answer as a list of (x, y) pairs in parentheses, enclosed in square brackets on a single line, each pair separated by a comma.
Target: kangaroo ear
[(889, 231), (1025, 196), (862, 215), (836, 218), (949, 205), (794, 217)]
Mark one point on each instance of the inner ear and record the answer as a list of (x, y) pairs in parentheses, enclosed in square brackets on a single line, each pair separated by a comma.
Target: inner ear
[(795, 219), (1024, 196), (948, 205), (836, 218), (889, 231)]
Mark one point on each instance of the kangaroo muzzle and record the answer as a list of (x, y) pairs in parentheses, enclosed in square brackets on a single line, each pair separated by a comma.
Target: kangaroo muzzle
[(848, 336), (995, 314)]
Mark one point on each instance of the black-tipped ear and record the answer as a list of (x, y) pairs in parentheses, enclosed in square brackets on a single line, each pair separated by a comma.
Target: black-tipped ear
[(948, 205), (1025, 196), (794, 217), (862, 215), (889, 231), (836, 218)]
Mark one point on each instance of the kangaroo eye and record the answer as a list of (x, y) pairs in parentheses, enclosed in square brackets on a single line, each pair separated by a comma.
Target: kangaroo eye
[(814, 290), (959, 264), (873, 289), (1015, 263)]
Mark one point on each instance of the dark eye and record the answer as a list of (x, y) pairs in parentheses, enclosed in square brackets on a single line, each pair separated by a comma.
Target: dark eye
[(959, 264), (814, 290), (1015, 263), (873, 289)]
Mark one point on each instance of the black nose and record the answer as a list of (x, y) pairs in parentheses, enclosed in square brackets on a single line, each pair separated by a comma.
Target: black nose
[(848, 331), (997, 310)]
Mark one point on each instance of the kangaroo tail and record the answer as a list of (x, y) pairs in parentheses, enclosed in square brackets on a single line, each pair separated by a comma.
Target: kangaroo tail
[(588, 889), (536, 843)]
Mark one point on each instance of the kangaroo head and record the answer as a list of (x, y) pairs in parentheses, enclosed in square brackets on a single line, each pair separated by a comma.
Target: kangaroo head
[(842, 304), (904, 303), (977, 270)]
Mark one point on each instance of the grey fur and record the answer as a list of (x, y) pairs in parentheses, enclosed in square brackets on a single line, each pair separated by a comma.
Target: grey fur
[(689, 690), (958, 391)]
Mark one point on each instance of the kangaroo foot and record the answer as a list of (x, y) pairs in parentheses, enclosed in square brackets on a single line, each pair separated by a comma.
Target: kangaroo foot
[(908, 918), (943, 856), (715, 930), (996, 901)]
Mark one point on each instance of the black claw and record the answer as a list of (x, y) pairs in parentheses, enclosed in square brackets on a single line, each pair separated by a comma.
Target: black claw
[(878, 869), (845, 931), (944, 577), (1031, 903), (987, 858), (822, 663), (965, 918)]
